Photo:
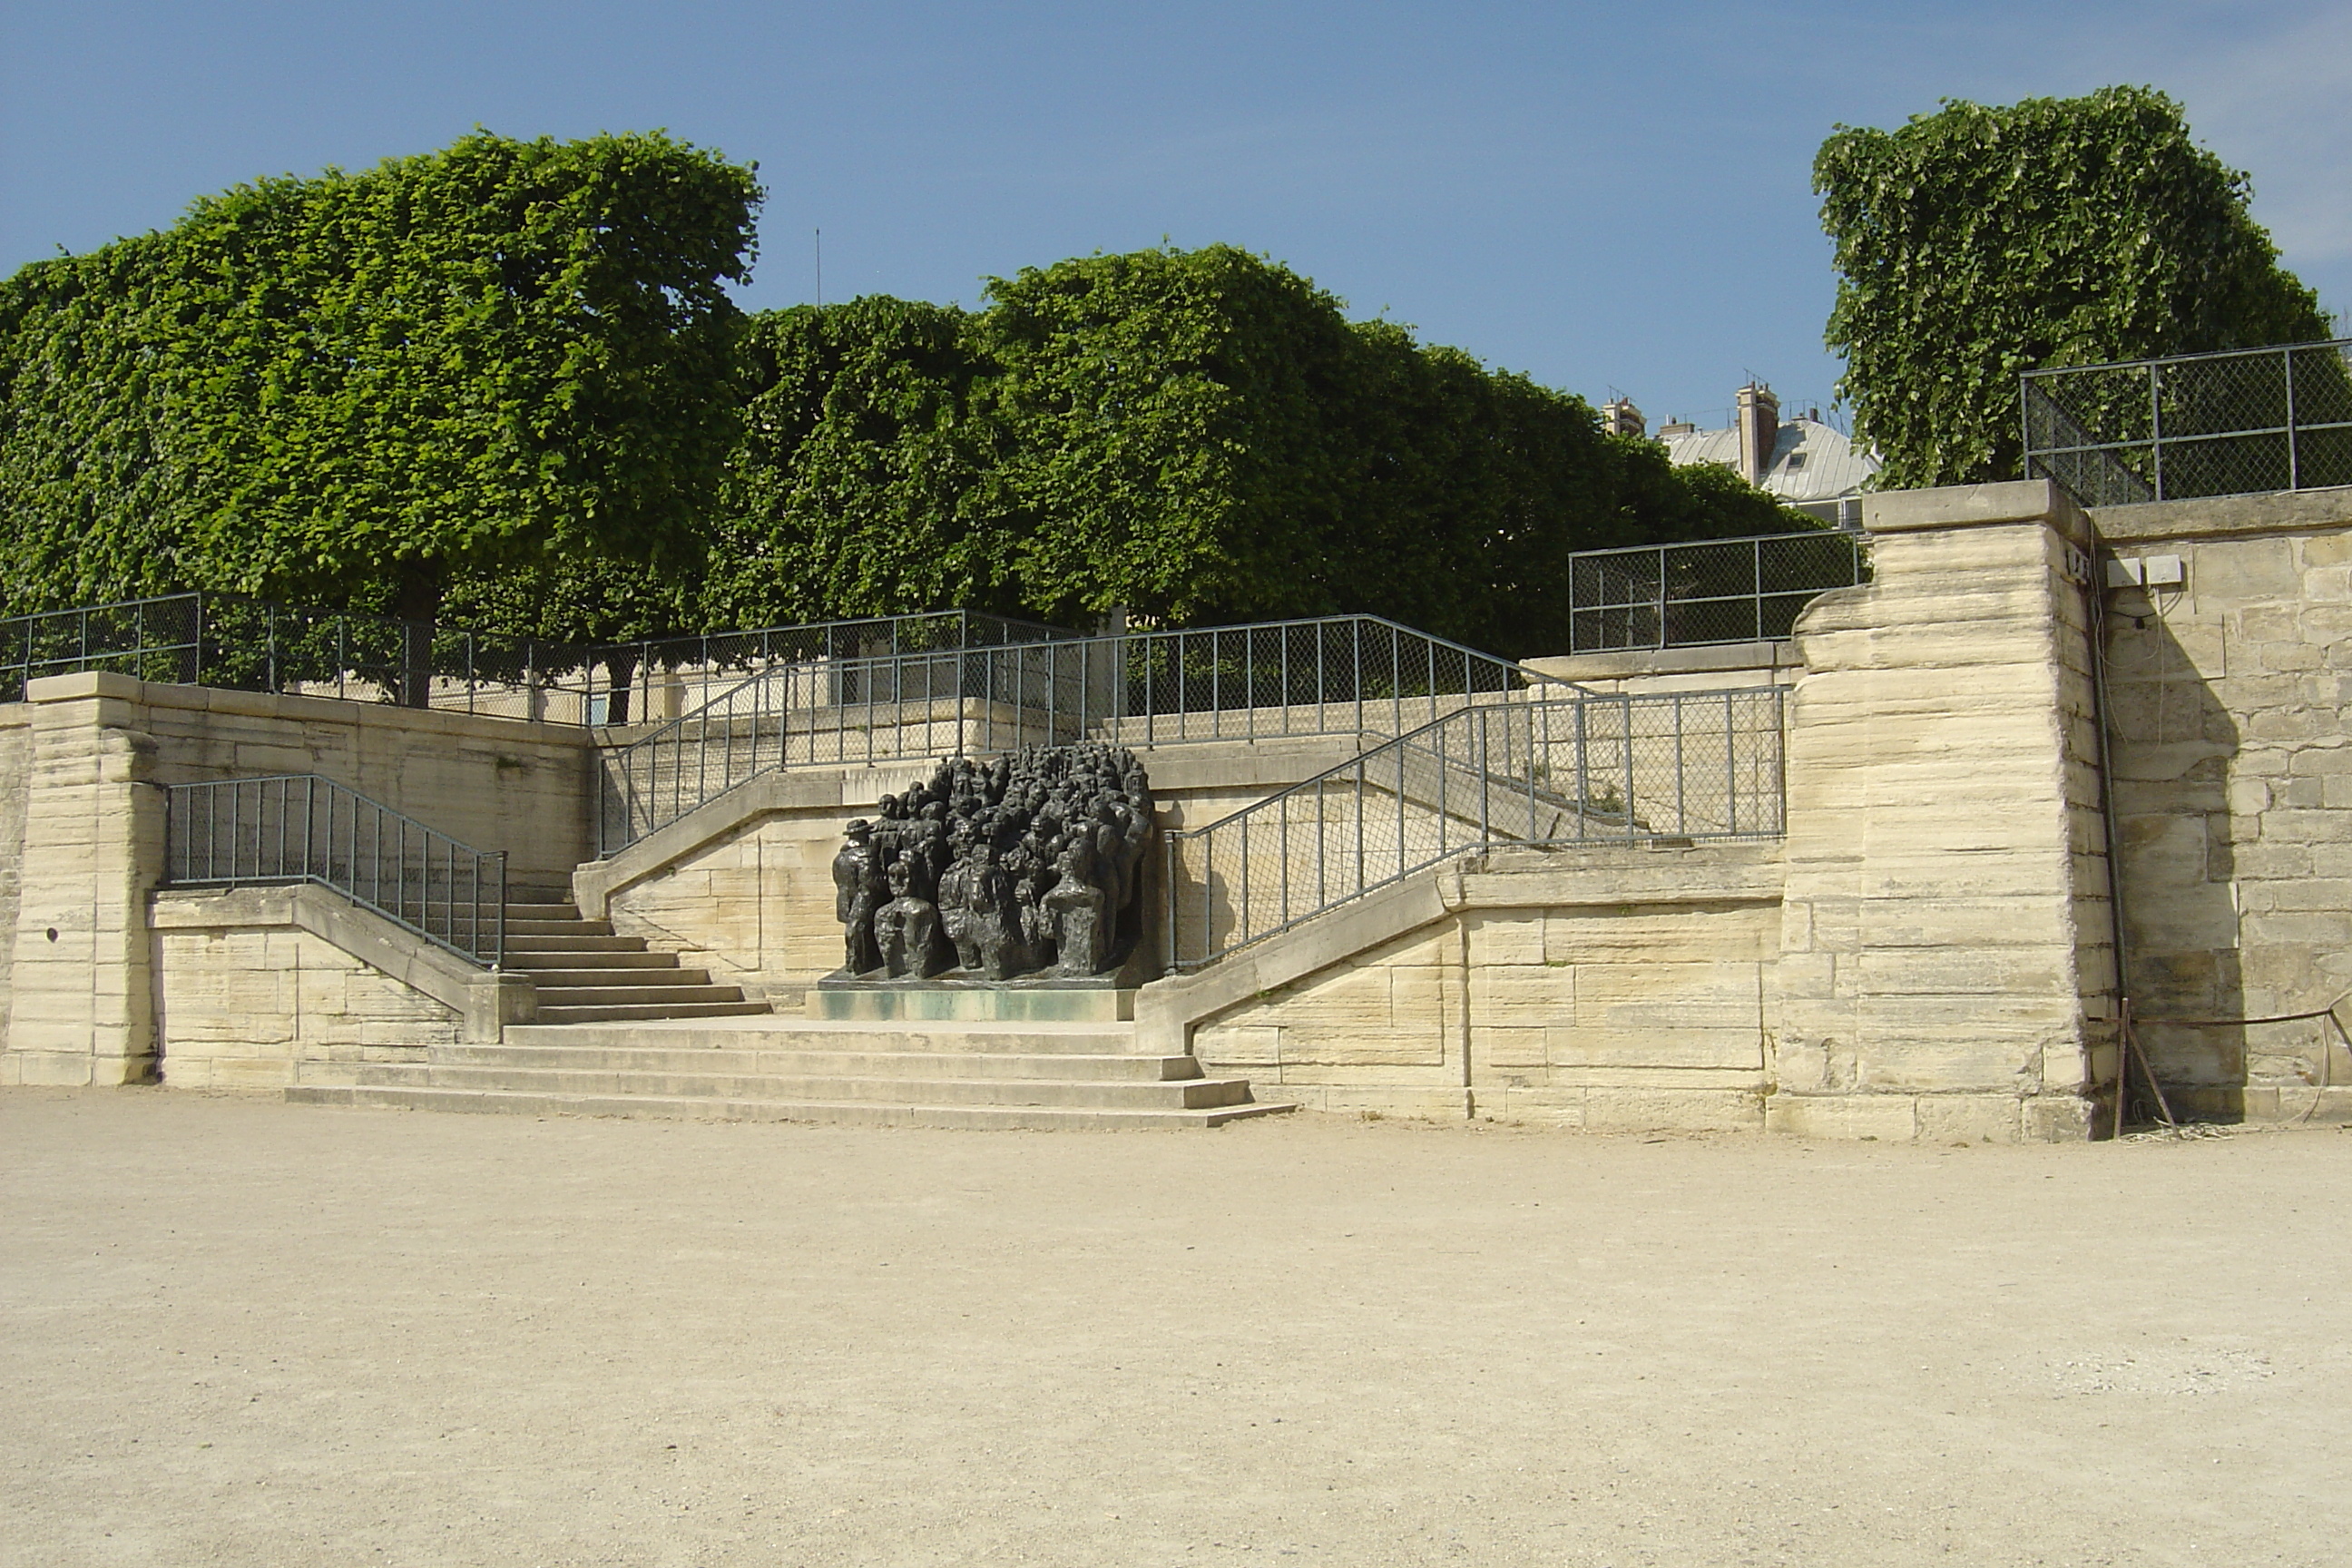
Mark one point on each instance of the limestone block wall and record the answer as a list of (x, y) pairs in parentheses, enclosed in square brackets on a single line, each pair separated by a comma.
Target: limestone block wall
[(2227, 693), (1945, 963), (247, 1007), (92, 753), (493, 784), (1599, 987), (80, 997), (15, 784)]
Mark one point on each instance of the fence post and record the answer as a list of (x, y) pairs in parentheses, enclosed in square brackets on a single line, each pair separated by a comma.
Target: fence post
[(2293, 445), (2155, 427), (1168, 859), (1487, 778), (1730, 768)]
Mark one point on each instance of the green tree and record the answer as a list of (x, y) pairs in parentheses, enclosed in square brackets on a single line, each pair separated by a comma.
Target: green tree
[(1168, 415), (1194, 437), (866, 481), (1977, 243), (503, 356)]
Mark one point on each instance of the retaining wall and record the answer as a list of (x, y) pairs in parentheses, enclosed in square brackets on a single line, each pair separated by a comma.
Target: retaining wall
[(2233, 791)]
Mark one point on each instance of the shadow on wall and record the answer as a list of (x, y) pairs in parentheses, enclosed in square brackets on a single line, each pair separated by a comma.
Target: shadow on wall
[(2174, 747)]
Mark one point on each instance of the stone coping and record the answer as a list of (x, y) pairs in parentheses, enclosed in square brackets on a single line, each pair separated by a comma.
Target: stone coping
[(2225, 517), (1707, 659), (1979, 506), (101, 685)]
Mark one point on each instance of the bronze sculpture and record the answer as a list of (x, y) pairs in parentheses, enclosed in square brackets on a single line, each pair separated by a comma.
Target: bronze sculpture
[(993, 870)]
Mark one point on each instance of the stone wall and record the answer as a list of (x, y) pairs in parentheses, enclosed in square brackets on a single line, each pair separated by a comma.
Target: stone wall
[(492, 783), (246, 1007), (16, 782), (94, 751), (1624, 987), (2227, 692), (1945, 962)]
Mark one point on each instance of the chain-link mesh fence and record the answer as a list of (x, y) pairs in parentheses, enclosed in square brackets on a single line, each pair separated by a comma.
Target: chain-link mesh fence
[(1536, 771), (1716, 591), (2240, 423)]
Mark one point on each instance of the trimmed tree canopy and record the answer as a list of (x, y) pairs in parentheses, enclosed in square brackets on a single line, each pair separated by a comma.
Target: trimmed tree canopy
[(351, 387), (1192, 437), (1976, 243), (865, 482)]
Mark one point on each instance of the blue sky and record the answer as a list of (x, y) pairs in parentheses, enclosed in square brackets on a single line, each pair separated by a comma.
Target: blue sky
[(1605, 196)]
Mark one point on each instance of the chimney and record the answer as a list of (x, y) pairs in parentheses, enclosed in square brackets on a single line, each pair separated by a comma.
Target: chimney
[(1759, 431), (1620, 417)]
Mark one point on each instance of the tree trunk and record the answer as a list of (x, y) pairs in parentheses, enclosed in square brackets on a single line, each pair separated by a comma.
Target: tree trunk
[(417, 599), (622, 669)]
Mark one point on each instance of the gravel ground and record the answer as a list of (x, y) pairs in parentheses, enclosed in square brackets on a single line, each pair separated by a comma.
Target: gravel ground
[(237, 1331)]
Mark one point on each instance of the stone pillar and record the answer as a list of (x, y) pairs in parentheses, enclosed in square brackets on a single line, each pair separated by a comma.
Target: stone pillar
[(82, 993), (1946, 964)]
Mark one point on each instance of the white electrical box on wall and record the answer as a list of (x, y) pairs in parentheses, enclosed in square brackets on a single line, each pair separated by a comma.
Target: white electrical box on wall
[(2146, 572)]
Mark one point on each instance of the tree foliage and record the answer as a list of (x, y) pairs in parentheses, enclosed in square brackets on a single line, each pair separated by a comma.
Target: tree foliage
[(500, 355), (1191, 436), (867, 480), (1977, 243)]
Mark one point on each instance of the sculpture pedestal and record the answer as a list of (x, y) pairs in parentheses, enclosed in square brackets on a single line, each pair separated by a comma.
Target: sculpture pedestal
[(1099, 1000)]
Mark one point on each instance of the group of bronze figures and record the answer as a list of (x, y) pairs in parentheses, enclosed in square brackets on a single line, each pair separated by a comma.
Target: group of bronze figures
[(1029, 863)]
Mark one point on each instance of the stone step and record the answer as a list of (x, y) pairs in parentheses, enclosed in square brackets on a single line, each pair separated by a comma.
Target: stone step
[(642, 988), (787, 1063), (618, 1012), (558, 942), (563, 910), (554, 979), (780, 1033), (541, 962), (880, 1113), (1189, 1094), (569, 926)]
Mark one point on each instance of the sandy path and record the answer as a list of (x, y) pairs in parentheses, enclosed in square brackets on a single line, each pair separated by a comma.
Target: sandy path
[(239, 1332)]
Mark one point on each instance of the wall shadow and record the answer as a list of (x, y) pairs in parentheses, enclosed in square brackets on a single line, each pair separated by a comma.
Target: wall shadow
[(2173, 748)]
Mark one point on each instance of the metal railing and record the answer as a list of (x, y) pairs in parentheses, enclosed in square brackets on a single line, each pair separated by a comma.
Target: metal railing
[(667, 676), (2241, 422), (1548, 772), (255, 645), (299, 828), (1341, 675), (1713, 591)]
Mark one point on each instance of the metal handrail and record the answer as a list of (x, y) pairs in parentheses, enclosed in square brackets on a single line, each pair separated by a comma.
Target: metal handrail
[(1548, 772), (299, 828), (1706, 590), (1332, 675)]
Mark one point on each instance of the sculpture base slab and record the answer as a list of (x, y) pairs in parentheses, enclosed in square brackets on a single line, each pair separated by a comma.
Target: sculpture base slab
[(1101, 1000)]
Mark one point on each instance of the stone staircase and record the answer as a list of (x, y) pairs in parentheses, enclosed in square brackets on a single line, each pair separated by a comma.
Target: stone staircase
[(966, 1073), (585, 974)]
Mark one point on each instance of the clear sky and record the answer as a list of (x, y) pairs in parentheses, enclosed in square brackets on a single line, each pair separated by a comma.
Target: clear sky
[(1605, 196)]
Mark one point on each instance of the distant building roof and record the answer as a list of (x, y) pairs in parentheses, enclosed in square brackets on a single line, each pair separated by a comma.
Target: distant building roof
[(1810, 460), (1809, 465)]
